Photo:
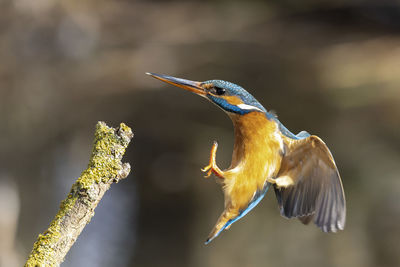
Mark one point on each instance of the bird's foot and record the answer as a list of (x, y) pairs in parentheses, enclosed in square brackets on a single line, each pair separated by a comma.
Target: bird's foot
[(212, 166), (281, 182)]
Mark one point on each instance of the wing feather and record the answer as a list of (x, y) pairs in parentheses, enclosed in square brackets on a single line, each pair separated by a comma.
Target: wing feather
[(317, 193)]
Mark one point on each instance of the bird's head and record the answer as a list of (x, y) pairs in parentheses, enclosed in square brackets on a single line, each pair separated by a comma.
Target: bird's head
[(228, 96)]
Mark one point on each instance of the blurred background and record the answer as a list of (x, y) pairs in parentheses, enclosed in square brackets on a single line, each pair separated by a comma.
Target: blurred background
[(329, 67)]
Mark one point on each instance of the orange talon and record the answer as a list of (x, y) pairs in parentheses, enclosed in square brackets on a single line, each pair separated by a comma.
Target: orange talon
[(212, 166)]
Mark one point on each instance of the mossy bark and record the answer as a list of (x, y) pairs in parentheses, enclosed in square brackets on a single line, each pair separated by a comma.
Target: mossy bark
[(105, 167)]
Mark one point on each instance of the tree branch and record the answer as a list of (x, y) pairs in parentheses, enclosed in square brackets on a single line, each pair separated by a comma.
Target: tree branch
[(105, 167)]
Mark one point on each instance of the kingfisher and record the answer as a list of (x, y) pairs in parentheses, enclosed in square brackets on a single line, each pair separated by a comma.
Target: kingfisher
[(300, 167)]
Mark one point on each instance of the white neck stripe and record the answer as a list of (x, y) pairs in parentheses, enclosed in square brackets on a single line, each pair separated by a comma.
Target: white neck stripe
[(248, 107)]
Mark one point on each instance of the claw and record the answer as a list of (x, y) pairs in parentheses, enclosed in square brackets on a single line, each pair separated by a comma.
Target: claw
[(207, 169), (212, 166)]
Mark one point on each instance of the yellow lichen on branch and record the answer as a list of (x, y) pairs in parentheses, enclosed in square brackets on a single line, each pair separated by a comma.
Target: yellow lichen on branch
[(105, 167)]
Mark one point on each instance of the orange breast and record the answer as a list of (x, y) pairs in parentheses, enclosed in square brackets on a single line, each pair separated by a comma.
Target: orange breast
[(256, 156)]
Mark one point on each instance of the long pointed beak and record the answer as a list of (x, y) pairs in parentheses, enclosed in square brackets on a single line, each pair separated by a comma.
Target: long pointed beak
[(191, 86)]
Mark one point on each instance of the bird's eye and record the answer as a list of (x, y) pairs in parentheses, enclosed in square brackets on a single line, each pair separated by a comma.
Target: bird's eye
[(219, 90)]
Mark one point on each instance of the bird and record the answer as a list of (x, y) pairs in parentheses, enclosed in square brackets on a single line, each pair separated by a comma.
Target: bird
[(300, 168)]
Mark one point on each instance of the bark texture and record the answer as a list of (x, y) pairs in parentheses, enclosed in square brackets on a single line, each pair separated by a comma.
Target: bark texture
[(105, 168)]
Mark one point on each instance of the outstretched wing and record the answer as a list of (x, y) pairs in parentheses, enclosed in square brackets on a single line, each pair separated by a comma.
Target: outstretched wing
[(317, 191)]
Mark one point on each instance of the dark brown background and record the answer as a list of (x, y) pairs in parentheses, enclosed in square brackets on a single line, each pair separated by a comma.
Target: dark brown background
[(329, 67)]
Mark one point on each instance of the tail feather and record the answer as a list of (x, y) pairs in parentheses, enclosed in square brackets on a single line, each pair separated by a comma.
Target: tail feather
[(230, 215), (222, 223)]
